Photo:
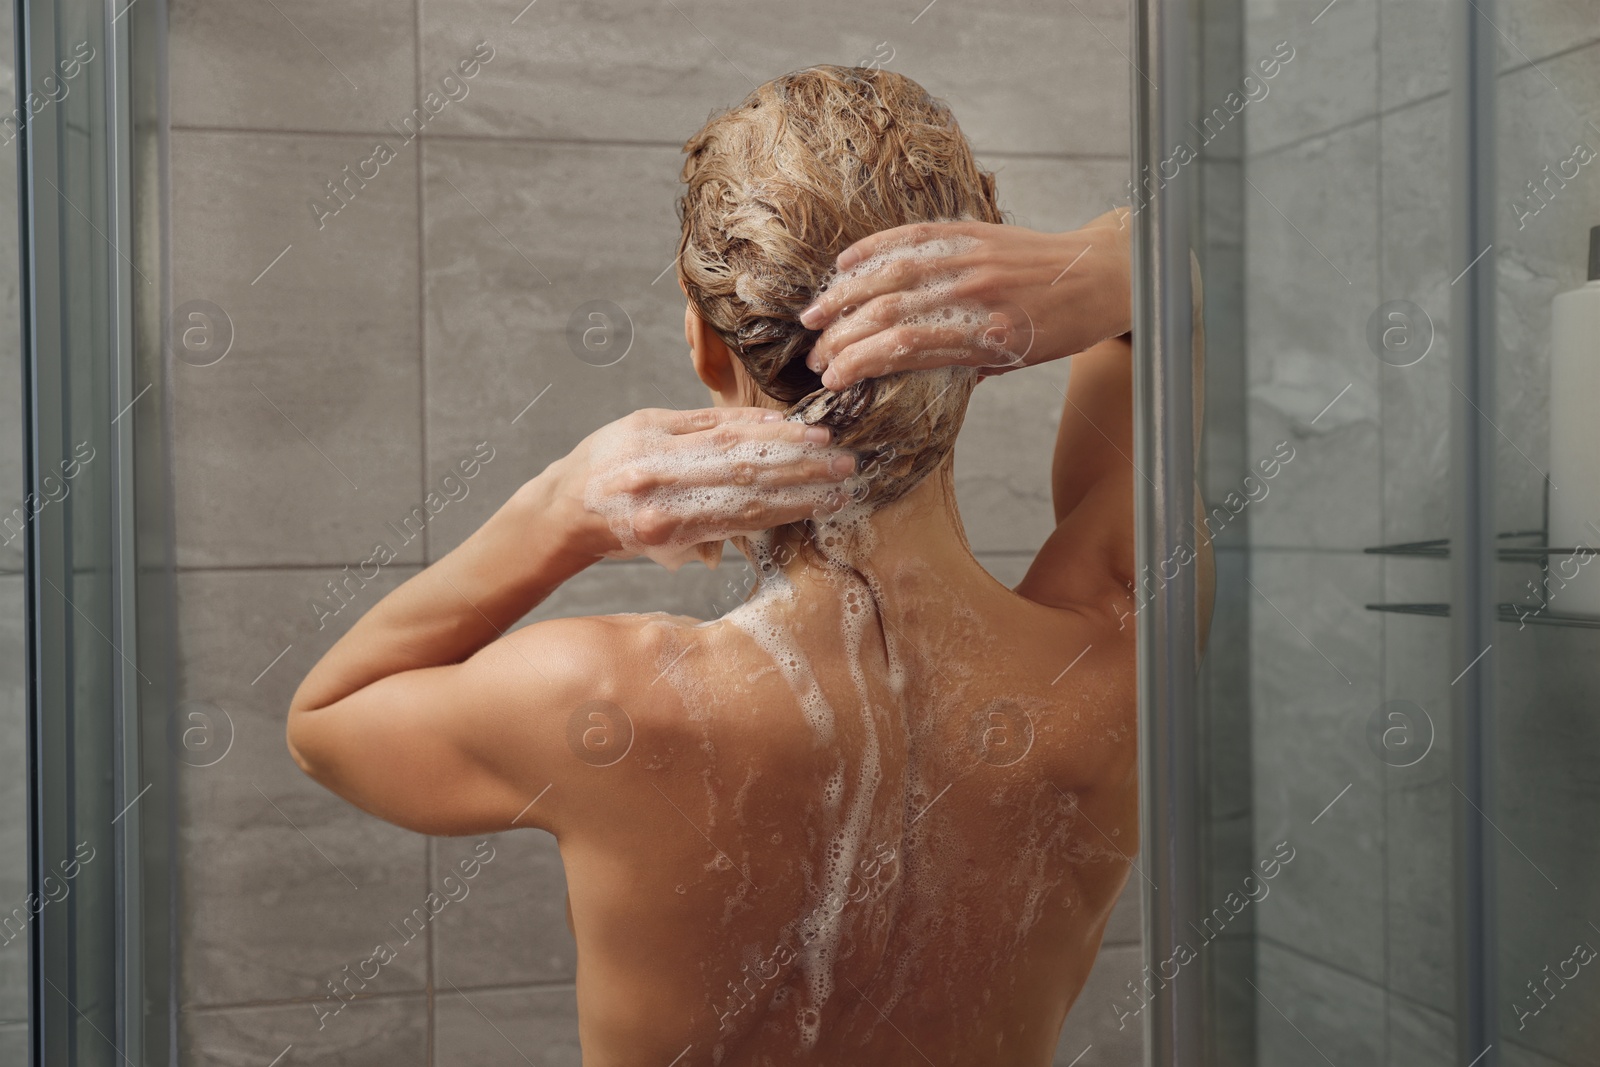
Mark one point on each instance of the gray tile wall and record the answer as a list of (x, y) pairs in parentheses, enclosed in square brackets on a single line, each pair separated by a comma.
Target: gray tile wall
[(374, 346), (1347, 197)]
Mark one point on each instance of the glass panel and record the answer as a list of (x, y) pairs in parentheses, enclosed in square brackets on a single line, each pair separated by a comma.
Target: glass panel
[(1328, 440), (1548, 493), (1340, 650), (1296, 486)]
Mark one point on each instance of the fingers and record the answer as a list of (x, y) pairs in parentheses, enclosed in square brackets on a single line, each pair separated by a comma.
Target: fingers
[(725, 436), (861, 280), (714, 473), (851, 291), (744, 455), (858, 325), (905, 348), (911, 234), (776, 465), (756, 462), (901, 332), (728, 427), (695, 420), (659, 526), (800, 504), (908, 311)]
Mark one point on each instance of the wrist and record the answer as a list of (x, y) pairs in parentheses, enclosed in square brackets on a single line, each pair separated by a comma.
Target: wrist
[(1116, 276), (549, 509)]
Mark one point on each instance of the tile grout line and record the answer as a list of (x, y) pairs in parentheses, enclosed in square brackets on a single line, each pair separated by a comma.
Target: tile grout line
[(583, 142), (565, 984), (422, 329), (1560, 53)]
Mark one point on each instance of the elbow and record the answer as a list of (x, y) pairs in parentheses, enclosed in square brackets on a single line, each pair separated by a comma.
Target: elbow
[(300, 732), (297, 737)]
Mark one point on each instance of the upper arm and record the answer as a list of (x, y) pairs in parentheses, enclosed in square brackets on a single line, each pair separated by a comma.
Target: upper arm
[(466, 748), (1090, 558), (1095, 440)]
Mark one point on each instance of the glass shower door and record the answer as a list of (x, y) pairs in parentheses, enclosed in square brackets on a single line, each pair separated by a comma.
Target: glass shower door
[(1547, 491), (1402, 678)]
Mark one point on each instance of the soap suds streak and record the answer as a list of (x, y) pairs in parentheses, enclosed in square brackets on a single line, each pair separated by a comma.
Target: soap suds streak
[(841, 538)]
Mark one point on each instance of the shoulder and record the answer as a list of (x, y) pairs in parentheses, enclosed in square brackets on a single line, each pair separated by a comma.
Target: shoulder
[(569, 651), (608, 658), (577, 696)]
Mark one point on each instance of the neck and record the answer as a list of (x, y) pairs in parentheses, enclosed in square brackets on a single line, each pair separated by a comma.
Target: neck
[(922, 526)]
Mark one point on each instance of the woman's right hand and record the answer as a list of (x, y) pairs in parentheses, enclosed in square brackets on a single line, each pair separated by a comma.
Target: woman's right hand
[(661, 478), (976, 294)]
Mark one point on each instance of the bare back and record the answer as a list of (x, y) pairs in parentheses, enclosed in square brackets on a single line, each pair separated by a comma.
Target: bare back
[(858, 822)]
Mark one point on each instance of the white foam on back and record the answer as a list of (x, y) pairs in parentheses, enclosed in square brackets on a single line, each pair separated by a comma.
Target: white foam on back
[(844, 540)]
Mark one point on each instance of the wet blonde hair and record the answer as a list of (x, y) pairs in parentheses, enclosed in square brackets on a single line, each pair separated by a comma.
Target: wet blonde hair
[(778, 186)]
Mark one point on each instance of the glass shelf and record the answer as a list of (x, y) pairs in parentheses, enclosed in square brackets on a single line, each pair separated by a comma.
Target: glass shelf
[(1528, 612), (1439, 548)]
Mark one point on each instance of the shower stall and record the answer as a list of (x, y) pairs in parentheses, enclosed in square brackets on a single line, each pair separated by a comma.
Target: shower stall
[(241, 344)]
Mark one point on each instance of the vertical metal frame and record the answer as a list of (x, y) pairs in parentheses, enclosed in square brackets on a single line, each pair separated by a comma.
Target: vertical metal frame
[(55, 940), (1163, 389), (1473, 614), (1170, 802), (130, 779), (152, 962), (97, 694)]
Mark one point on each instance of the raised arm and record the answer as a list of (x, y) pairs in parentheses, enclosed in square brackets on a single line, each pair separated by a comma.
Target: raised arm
[(1042, 297), (1093, 482), (429, 714)]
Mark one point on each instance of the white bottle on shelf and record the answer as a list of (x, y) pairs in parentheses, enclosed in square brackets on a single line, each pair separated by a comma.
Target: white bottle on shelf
[(1574, 580)]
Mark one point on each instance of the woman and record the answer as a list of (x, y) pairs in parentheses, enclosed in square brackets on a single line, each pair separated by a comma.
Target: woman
[(880, 813)]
